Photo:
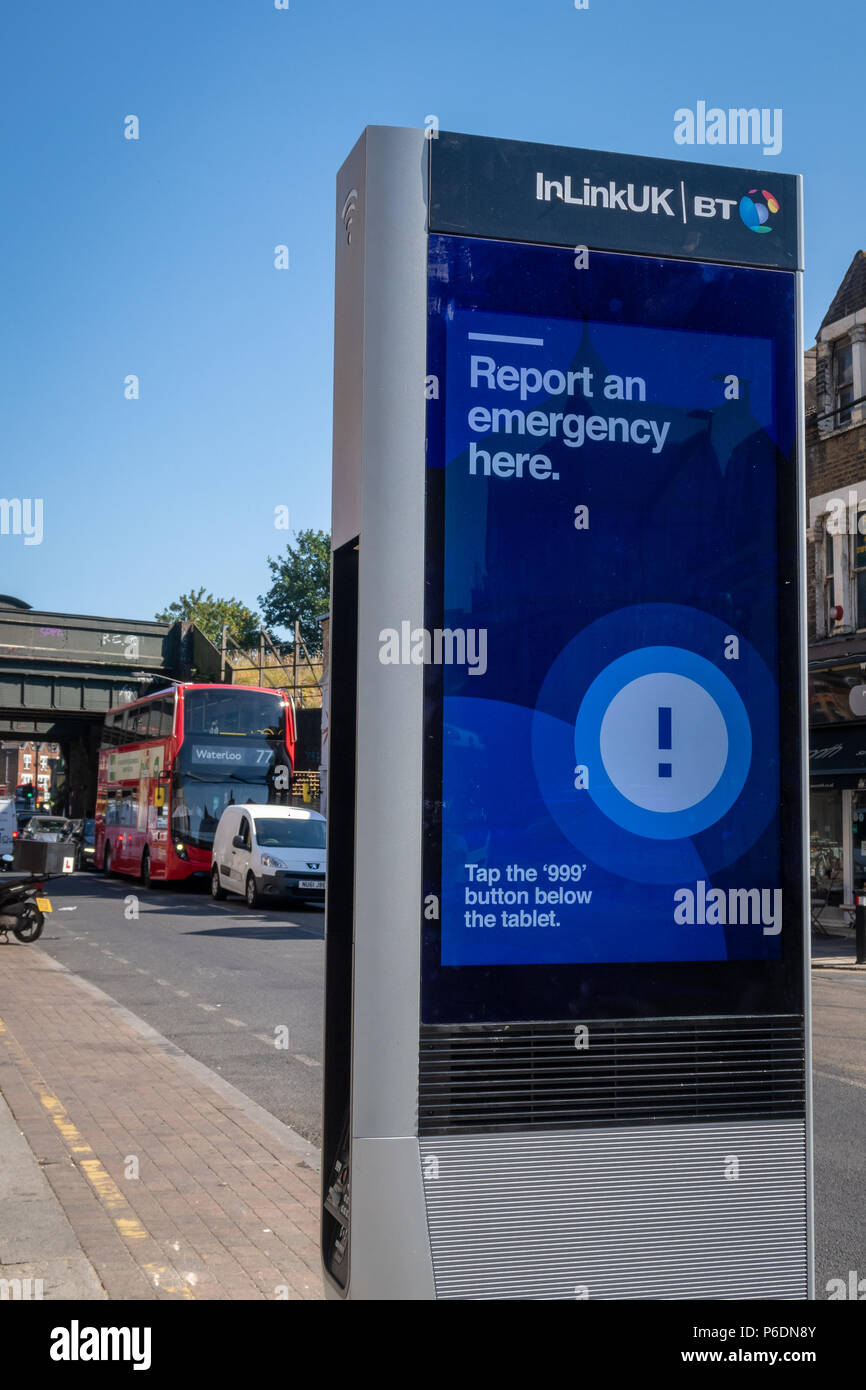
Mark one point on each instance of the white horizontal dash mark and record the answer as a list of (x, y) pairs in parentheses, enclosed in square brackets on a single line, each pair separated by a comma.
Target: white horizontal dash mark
[(504, 338)]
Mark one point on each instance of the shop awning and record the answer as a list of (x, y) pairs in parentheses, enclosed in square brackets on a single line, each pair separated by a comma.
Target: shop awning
[(837, 755)]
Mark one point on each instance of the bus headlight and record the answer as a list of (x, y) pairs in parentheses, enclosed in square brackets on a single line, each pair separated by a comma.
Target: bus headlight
[(181, 850)]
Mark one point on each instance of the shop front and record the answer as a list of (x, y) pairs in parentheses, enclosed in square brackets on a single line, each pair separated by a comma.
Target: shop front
[(837, 805)]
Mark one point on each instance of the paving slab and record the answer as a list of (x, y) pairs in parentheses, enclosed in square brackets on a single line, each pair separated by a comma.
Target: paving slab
[(130, 1170)]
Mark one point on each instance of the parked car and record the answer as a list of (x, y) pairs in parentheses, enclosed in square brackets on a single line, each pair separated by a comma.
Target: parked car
[(50, 828), (269, 852)]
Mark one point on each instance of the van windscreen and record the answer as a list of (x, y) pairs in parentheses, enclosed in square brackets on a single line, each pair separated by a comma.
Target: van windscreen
[(289, 833)]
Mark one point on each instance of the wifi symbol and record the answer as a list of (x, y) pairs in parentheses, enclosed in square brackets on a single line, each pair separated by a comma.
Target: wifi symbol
[(350, 207)]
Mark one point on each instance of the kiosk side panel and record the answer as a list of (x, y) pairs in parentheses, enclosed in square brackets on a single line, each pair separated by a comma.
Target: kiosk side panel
[(379, 468)]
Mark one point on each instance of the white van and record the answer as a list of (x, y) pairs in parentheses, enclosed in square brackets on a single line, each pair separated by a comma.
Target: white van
[(8, 827), (268, 852)]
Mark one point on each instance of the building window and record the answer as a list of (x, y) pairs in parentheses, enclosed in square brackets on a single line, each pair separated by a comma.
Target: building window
[(27, 760), (844, 384), (860, 581), (826, 842), (858, 569), (829, 582)]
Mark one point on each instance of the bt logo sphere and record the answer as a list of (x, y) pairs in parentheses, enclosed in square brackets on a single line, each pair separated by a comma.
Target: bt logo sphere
[(756, 214)]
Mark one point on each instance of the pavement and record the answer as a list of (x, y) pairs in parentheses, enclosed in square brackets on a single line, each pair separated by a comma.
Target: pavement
[(836, 950), (129, 1170), (216, 979)]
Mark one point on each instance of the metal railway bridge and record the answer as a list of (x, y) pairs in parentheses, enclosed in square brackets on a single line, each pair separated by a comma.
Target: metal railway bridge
[(60, 672)]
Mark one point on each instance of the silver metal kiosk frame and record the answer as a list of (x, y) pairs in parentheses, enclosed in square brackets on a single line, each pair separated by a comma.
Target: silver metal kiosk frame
[(420, 1211)]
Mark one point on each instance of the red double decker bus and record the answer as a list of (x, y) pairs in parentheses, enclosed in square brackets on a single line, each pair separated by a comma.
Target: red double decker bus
[(170, 763)]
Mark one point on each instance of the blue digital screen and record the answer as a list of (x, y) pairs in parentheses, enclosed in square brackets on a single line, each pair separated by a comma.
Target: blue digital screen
[(606, 449)]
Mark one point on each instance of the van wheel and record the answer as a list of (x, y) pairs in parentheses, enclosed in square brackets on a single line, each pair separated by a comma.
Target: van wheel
[(252, 892), (217, 891)]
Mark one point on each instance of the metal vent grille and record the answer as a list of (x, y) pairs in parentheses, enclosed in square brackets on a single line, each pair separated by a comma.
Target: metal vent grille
[(665, 1212), (632, 1071)]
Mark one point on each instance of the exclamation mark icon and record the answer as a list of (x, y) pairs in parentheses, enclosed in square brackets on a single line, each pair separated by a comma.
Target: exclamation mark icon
[(665, 769)]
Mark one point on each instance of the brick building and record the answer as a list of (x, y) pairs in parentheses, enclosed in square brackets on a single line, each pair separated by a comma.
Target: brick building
[(27, 764), (836, 491)]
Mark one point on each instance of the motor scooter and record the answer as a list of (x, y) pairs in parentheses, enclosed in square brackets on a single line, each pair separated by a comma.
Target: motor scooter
[(22, 909)]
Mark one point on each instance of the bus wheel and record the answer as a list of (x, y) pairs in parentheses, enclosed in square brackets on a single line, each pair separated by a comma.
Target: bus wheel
[(216, 889), (106, 861), (145, 870), (252, 892)]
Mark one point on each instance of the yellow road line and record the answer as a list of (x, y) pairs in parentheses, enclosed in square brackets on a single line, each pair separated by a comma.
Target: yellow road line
[(103, 1184)]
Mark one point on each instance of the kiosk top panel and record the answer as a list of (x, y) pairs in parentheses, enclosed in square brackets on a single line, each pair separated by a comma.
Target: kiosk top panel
[(513, 191)]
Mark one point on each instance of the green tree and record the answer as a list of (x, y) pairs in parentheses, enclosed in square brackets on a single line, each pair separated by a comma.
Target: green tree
[(300, 587), (209, 614)]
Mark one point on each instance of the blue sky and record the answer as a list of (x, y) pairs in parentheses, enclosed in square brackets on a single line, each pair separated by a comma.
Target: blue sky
[(155, 256)]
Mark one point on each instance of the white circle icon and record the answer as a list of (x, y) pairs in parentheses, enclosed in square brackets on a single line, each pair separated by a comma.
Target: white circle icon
[(664, 742)]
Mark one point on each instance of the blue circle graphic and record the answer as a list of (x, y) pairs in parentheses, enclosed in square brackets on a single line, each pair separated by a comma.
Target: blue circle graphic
[(731, 720), (722, 707)]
